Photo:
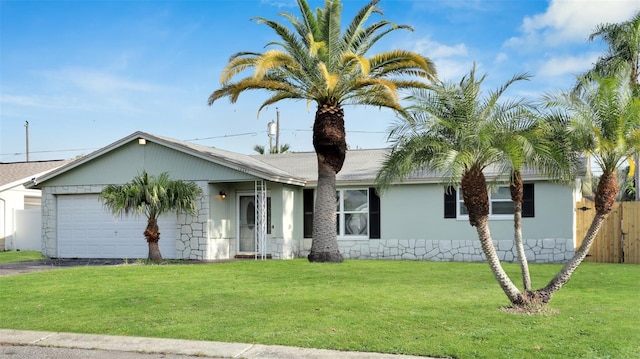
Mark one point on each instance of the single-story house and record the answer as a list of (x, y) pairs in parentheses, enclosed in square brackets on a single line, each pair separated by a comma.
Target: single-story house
[(20, 206), (262, 205)]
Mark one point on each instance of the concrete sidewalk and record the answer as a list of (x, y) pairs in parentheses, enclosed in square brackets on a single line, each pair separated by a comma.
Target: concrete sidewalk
[(201, 349)]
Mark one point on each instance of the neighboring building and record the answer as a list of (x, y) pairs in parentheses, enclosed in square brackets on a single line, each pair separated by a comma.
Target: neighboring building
[(263, 205), (19, 206)]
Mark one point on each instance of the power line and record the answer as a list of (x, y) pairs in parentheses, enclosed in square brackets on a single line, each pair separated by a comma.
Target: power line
[(192, 139)]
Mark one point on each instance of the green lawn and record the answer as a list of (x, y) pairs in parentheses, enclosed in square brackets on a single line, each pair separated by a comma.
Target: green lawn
[(421, 308), (19, 256)]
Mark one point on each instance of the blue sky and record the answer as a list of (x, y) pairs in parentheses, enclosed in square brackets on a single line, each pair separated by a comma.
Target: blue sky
[(87, 73)]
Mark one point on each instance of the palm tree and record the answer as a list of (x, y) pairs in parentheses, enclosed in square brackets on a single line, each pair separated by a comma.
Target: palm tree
[(623, 40), (603, 119), (272, 150), (317, 62), (623, 52), (457, 133), (151, 196), (530, 142)]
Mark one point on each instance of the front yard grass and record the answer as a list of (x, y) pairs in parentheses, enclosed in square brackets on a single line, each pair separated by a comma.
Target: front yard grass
[(420, 308), (19, 256)]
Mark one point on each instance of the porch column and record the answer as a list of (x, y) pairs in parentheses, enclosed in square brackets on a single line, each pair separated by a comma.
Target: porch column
[(261, 220)]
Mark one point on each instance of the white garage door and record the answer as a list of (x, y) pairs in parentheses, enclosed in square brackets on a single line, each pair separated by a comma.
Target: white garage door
[(87, 230)]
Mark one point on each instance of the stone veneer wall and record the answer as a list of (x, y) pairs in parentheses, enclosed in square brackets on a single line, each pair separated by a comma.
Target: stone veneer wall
[(193, 230), (192, 241), (280, 249), (552, 250)]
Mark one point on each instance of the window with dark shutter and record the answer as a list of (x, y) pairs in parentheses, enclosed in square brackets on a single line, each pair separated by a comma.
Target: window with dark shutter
[(374, 214), (307, 198), (528, 205), (450, 200)]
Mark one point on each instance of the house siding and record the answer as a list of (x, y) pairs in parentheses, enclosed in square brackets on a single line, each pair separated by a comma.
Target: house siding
[(413, 228)]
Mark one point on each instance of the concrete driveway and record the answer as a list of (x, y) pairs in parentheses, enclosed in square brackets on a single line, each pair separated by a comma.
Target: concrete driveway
[(54, 263)]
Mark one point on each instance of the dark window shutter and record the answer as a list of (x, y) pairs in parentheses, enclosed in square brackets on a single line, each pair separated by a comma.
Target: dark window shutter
[(307, 198), (450, 201), (374, 214), (528, 205)]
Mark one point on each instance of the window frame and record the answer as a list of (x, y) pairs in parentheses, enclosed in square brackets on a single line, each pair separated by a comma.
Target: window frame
[(453, 203), (341, 214), (374, 211)]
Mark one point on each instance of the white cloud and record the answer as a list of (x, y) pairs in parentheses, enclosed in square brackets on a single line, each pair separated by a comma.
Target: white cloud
[(98, 81), (501, 57), (17, 100), (436, 50), (451, 61), (567, 21), (279, 3), (559, 66)]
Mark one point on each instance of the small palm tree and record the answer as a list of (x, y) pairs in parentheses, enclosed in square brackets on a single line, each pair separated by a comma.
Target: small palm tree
[(151, 196), (272, 150), (456, 132), (319, 63), (528, 141), (603, 119)]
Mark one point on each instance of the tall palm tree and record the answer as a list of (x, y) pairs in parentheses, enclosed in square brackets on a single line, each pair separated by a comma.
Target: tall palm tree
[(456, 132), (623, 40), (151, 196), (317, 62), (603, 118), (623, 52)]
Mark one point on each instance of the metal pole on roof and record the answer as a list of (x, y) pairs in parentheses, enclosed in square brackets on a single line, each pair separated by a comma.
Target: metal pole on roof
[(277, 130), (26, 125)]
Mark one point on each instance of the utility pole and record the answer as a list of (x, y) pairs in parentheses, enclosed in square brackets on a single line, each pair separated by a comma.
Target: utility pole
[(26, 125), (277, 130)]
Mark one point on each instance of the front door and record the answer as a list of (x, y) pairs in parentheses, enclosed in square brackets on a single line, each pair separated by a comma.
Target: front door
[(247, 222)]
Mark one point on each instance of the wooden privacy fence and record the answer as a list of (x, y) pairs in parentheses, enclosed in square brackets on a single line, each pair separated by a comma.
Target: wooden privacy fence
[(618, 240)]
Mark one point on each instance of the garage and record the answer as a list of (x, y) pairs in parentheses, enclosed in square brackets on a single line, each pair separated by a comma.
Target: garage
[(86, 229)]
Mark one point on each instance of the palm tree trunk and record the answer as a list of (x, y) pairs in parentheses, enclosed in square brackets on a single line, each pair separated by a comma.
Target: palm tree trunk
[(564, 275), (606, 194), (324, 247), (152, 235), (517, 194), (489, 250), (329, 141), (476, 199), (522, 255)]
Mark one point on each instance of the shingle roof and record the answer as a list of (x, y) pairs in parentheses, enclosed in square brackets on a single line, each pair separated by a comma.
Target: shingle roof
[(359, 165), (243, 163), (240, 161), (23, 171), (298, 168)]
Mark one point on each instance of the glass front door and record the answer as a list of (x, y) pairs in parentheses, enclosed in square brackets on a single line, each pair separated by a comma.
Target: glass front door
[(247, 222)]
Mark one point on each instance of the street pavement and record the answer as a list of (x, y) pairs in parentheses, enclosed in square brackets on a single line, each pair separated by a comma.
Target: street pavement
[(20, 344)]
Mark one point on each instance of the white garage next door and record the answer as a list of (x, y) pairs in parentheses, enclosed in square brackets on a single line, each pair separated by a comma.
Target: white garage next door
[(87, 230)]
